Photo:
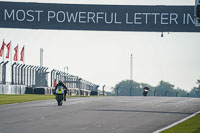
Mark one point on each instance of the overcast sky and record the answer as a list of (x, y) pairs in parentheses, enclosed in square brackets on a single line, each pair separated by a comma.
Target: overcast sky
[(103, 57)]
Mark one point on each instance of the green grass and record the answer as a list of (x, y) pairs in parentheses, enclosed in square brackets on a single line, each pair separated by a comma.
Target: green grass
[(191, 125), (9, 99)]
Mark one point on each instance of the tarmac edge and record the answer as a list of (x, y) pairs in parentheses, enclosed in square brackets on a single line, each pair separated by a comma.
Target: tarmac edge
[(176, 123)]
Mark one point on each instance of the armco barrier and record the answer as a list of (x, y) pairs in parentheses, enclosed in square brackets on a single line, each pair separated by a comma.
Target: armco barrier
[(43, 90), (94, 93), (29, 90)]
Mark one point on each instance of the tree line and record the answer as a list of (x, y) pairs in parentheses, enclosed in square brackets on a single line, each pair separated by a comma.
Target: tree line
[(132, 88)]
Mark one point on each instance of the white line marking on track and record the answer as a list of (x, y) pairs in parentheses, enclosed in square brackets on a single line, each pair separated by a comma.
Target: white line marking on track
[(176, 123)]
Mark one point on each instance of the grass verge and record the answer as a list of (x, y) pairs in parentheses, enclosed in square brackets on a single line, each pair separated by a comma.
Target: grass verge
[(9, 99), (191, 125)]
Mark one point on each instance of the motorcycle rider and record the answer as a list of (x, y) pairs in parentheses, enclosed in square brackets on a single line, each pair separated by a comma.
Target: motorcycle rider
[(61, 89), (146, 90)]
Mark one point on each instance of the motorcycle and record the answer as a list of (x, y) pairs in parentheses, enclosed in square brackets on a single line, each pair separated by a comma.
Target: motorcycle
[(59, 98), (60, 94), (145, 92)]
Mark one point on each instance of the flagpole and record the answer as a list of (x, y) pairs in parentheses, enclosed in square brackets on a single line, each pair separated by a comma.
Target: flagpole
[(3, 50), (11, 59), (10, 52), (24, 55), (18, 53)]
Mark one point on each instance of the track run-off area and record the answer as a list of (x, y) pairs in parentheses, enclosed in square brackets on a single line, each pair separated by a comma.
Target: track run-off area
[(96, 115)]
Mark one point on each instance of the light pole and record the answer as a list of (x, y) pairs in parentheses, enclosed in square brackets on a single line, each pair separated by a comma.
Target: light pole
[(131, 73), (66, 68), (41, 57)]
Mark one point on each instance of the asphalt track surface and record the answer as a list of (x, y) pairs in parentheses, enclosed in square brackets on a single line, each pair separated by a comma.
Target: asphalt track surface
[(96, 115)]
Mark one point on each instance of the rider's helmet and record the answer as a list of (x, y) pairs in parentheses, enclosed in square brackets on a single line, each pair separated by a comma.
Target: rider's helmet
[(60, 81), (146, 88)]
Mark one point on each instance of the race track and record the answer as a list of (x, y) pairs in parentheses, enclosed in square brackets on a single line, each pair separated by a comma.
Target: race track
[(96, 115)]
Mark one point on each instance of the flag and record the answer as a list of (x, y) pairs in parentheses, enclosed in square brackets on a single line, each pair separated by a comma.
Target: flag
[(2, 48), (16, 51), (8, 48), (22, 55)]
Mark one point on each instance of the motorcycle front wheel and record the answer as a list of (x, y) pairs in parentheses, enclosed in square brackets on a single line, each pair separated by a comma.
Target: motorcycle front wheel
[(59, 99)]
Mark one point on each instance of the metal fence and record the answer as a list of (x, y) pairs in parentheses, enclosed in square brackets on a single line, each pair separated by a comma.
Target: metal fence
[(72, 81), (28, 76), (31, 76)]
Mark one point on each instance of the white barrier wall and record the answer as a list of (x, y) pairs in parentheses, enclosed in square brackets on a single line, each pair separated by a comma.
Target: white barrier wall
[(20, 89), (12, 89)]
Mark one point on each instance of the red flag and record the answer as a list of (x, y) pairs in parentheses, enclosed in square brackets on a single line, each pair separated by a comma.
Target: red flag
[(2, 48), (8, 48), (16, 51), (22, 55)]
